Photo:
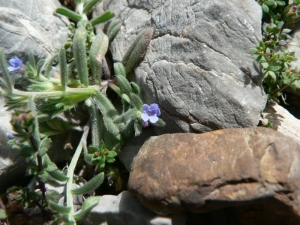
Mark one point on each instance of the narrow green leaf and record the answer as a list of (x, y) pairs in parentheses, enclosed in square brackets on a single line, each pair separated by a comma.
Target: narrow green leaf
[(126, 116), (119, 69), (138, 127), (105, 105), (136, 101), (124, 84), (7, 78), (160, 123), (79, 51), (137, 49), (59, 208), (113, 29), (110, 125), (58, 175), (63, 68), (36, 133), (90, 186), (96, 125), (40, 66), (88, 204), (89, 5), (49, 65), (103, 18), (98, 50), (68, 13)]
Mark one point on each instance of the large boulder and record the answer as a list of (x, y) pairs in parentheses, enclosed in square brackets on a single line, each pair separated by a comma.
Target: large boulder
[(198, 67), (31, 26), (253, 170)]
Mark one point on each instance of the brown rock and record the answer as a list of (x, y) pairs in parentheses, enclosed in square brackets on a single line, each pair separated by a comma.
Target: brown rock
[(247, 168)]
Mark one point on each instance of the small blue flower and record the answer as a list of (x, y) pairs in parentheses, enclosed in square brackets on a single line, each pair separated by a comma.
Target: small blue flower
[(16, 64), (150, 113), (10, 136)]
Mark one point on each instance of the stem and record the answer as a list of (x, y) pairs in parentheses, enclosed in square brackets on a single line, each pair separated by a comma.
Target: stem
[(69, 91), (70, 174), (40, 164)]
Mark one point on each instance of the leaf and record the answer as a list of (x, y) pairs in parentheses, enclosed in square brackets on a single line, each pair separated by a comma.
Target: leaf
[(136, 101), (90, 5), (126, 116), (124, 84), (272, 75), (110, 125), (138, 127), (79, 51), (6, 77), (68, 13), (137, 49), (105, 105), (265, 8), (49, 65), (32, 170), (111, 154), (58, 175), (103, 18), (253, 50), (59, 208), (119, 69), (113, 29), (63, 68), (27, 151), (98, 50), (88, 204), (45, 145), (160, 123), (90, 186)]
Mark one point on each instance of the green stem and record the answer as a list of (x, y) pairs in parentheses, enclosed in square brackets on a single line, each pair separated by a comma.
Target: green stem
[(69, 91), (70, 174)]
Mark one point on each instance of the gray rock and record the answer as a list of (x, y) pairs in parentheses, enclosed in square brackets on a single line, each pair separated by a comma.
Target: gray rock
[(124, 209), (198, 67), (31, 26)]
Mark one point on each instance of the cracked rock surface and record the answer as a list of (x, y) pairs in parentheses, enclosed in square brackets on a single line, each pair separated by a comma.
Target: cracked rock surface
[(30, 25), (253, 171), (198, 67)]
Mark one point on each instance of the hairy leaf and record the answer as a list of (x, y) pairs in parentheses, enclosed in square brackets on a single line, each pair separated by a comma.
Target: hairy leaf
[(90, 186)]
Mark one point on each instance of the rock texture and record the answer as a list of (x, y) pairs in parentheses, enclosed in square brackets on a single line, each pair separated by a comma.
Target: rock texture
[(198, 67), (281, 120), (254, 170), (31, 26), (124, 209)]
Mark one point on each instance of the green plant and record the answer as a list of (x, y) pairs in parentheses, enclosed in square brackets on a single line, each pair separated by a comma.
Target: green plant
[(276, 62), (41, 103)]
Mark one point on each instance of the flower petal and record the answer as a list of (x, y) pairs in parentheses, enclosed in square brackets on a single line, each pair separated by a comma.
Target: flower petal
[(145, 108), (11, 68), (153, 119), (145, 117)]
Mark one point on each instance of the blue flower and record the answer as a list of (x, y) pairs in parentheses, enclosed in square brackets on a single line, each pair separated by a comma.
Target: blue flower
[(16, 64), (150, 113)]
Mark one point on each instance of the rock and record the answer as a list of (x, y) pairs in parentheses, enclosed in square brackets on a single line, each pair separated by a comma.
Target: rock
[(124, 209), (281, 120), (250, 169), (198, 67), (31, 26), (132, 146)]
